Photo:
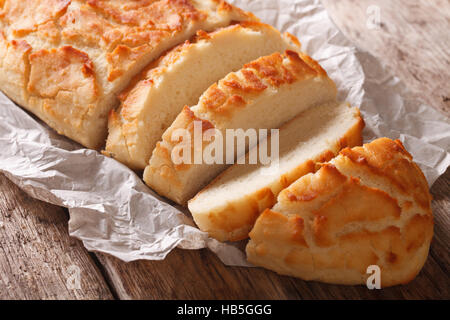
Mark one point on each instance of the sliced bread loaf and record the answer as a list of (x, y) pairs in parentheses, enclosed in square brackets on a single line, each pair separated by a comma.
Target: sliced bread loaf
[(150, 106), (265, 93), (66, 60), (370, 206), (229, 206)]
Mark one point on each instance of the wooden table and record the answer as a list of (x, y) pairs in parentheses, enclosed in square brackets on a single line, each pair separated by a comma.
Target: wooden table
[(37, 256)]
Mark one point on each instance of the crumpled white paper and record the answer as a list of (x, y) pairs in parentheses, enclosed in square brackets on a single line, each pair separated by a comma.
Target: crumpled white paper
[(112, 211)]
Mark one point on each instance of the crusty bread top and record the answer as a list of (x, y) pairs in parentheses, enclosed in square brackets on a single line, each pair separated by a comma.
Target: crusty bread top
[(265, 93), (124, 30), (229, 206), (222, 100), (79, 54), (368, 206), (149, 105), (383, 164), (388, 160), (217, 106), (157, 68)]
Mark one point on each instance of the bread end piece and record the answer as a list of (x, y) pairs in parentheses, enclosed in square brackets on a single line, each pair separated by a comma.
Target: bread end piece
[(369, 206)]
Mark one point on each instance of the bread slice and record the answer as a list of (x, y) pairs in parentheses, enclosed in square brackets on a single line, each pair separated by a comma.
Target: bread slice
[(66, 60), (228, 207), (179, 78), (264, 94), (370, 206)]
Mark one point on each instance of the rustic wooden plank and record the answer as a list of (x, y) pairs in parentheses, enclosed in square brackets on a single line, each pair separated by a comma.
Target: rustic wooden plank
[(413, 41), (38, 259), (188, 274)]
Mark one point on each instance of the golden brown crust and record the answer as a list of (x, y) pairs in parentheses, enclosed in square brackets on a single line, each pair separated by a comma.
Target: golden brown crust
[(233, 220), (389, 159), (278, 69), (167, 14), (75, 22), (169, 175), (354, 137), (126, 29), (236, 90), (15, 68), (309, 61), (206, 125), (60, 76), (108, 42), (333, 216), (272, 226), (249, 84), (348, 225), (293, 39), (64, 69), (237, 223), (328, 178), (136, 104), (26, 16)]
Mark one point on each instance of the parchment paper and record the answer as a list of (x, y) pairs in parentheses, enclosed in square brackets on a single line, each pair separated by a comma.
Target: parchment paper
[(112, 211)]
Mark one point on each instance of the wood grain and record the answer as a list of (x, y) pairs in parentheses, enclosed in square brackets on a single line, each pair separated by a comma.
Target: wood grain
[(38, 259), (413, 41)]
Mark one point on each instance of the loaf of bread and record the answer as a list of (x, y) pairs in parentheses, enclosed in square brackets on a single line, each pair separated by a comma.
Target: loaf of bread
[(149, 107), (229, 206), (66, 60), (368, 206), (264, 94), (310, 214)]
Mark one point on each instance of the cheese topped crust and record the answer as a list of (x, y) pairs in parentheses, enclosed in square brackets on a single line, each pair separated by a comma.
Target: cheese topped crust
[(368, 206)]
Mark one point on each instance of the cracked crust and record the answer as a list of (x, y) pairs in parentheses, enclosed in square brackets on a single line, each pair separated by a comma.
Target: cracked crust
[(351, 214), (232, 219), (138, 122), (108, 42), (224, 100), (225, 103)]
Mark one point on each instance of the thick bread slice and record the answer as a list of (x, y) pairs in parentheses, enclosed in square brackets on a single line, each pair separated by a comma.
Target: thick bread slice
[(369, 206), (265, 94), (179, 78), (65, 60), (228, 207)]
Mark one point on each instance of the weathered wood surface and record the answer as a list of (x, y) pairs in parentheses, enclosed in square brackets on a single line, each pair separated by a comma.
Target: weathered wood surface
[(35, 249), (413, 39), (38, 259)]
